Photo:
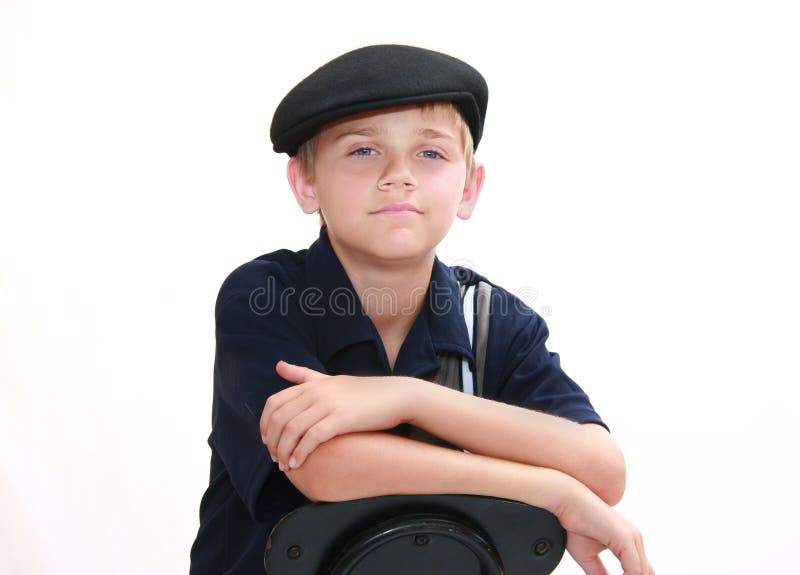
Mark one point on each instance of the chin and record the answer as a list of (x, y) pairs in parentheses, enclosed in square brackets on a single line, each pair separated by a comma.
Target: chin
[(392, 246), (403, 248), (398, 253)]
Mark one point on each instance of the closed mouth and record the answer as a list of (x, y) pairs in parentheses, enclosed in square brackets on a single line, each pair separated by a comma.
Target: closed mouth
[(397, 209)]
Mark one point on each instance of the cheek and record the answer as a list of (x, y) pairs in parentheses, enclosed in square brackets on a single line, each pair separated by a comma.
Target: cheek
[(450, 185), (342, 195), (446, 174)]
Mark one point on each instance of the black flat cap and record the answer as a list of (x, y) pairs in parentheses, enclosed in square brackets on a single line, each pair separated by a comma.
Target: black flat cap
[(377, 77)]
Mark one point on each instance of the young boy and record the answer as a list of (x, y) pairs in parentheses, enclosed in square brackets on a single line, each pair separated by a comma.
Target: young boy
[(321, 352)]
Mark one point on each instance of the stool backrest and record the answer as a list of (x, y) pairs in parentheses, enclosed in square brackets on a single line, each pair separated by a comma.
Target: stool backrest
[(417, 535)]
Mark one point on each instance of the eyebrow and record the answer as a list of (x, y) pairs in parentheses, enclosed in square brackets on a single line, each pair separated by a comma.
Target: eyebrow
[(434, 134), (366, 131), (372, 131)]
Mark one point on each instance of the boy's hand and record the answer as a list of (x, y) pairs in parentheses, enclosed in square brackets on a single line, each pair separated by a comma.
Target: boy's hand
[(593, 527), (586, 553), (319, 407)]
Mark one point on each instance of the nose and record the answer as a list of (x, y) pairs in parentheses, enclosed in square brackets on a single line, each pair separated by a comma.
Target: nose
[(397, 174)]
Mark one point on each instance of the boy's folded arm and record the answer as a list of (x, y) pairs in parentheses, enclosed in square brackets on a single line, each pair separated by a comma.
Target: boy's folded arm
[(586, 452), (370, 464), (299, 420)]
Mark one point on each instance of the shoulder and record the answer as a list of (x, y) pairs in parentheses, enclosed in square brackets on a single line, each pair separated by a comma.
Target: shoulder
[(277, 270), (260, 294)]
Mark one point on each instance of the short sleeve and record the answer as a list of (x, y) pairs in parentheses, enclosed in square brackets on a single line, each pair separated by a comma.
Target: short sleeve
[(525, 372), (258, 323)]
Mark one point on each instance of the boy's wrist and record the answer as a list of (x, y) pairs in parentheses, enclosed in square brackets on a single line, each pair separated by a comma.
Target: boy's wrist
[(565, 494), (413, 397), (553, 490), (421, 400)]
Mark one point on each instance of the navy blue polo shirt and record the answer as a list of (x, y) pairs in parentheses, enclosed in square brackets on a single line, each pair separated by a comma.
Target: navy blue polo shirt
[(301, 307)]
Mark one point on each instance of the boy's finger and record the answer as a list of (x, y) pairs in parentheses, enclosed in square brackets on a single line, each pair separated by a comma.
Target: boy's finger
[(295, 373), (593, 566), (316, 435), (280, 418), (293, 432), (647, 568), (632, 562), (289, 372), (273, 403)]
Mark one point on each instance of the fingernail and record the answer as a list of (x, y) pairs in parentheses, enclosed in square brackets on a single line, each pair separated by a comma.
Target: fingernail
[(292, 463), (274, 459), (281, 467)]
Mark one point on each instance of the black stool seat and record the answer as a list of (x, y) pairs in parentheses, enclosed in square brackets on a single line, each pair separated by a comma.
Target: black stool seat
[(418, 535)]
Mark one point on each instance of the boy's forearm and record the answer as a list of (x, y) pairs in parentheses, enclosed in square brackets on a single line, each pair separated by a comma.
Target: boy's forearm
[(585, 452), (370, 464)]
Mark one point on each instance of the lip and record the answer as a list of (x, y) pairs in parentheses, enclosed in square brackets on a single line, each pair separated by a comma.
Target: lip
[(397, 209)]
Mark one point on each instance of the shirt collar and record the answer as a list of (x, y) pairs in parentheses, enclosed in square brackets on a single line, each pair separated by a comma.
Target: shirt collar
[(340, 320)]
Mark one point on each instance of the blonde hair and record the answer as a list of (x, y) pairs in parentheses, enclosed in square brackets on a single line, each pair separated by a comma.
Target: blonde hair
[(307, 152)]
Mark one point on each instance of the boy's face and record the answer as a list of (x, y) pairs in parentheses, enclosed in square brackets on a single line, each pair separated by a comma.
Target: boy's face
[(389, 183)]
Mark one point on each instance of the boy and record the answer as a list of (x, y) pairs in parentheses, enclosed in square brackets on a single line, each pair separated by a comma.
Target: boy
[(322, 351)]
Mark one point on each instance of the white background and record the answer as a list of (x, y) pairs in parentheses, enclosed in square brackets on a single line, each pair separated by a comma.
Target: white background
[(642, 164)]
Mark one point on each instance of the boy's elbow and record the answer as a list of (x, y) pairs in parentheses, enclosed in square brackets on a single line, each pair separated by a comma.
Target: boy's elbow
[(311, 480), (305, 484), (612, 478), (324, 474), (605, 468)]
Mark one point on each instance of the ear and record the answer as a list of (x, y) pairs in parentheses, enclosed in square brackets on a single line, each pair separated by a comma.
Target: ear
[(302, 186), (472, 189)]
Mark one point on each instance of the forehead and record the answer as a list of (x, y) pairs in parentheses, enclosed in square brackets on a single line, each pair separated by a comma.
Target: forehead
[(440, 118)]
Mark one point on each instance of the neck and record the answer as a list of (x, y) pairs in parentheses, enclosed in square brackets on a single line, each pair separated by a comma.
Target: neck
[(392, 295)]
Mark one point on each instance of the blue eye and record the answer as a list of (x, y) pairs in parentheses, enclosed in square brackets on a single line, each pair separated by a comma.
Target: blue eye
[(431, 155), (363, 152)]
